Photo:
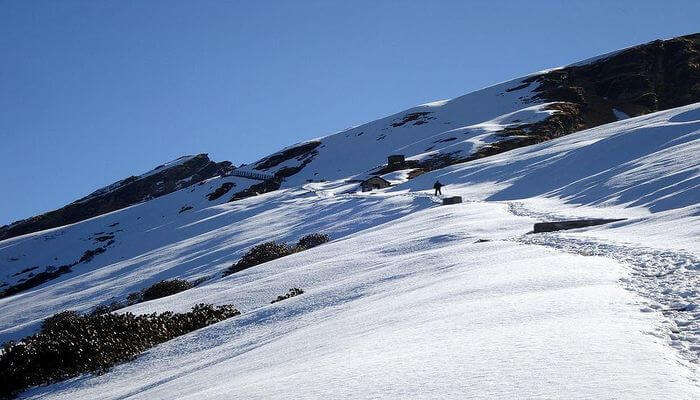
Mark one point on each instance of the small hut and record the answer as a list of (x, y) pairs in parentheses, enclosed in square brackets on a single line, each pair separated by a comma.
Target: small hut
[(375, 182)]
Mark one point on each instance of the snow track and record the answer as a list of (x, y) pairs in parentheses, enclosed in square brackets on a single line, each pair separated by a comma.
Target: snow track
[(667, 279)]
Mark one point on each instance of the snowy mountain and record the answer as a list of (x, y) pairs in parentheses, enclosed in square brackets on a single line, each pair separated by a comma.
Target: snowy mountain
[(655, 76), (164, 179), (411, 298), (524, 111)]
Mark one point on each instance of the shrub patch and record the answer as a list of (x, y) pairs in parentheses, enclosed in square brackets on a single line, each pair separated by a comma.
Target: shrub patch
[(165, 288), (70, 344), (292, 292), (155, 291), (272, 250), (259, 254), (312, 240)]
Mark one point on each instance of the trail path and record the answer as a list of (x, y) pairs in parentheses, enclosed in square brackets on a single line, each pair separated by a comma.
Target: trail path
[(668, 280)]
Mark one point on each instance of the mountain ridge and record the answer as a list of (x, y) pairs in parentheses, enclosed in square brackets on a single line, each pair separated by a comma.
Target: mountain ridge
[(543, 106)]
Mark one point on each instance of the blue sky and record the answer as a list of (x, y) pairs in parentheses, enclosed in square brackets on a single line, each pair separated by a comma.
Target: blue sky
[(95, 91)]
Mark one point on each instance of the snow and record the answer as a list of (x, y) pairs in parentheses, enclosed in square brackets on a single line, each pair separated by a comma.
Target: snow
[(429, 315), (411, 299), (468, 139), (154, 242), (649, 161), (397, 177), (471, 119)]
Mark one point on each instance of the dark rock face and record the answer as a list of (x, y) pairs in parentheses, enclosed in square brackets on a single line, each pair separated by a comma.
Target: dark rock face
[(655, 76), (418, 118), (220, 191), (568, 120), (303, 152), (36, 280), (651, 77), (259, 188), (123, 194)]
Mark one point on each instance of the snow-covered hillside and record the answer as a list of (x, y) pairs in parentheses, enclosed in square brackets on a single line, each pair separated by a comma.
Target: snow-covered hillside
[(531, 109), (649, 161), (411, 298), (414, 308), (456, 127)]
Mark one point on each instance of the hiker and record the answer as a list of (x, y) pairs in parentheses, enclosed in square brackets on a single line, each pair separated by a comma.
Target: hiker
[(438, 187)]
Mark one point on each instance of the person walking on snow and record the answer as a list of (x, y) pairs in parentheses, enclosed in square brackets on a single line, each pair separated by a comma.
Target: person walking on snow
[(438, 186)]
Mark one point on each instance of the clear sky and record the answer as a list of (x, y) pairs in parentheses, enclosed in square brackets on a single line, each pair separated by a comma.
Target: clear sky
[(95, 91)]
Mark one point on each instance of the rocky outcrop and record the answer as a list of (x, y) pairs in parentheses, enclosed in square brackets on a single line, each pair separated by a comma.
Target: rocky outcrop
[(220, 191), (50, 273), (161, 181), (303, 152), (655, 76), (643, 79), (257, 189)]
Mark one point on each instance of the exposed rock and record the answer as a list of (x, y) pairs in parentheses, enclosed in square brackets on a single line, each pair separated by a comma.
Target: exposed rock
[(36, 280), (655, 76), (651, 77), (301, 152), (568, 119), (220, 191), (185, 208), (419, 118), (50, 273), (122, 194), (541, 227), (259, 188), (640, 80)]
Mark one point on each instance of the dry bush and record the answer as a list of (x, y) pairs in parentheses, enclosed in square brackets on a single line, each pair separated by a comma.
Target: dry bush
[(70, 344)]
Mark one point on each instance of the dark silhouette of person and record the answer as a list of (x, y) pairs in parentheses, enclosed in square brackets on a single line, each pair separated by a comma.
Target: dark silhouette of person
[(438, 186)]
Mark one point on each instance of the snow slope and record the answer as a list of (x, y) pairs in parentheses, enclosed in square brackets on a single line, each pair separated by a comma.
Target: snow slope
[(412, 299), (413, 308), (649, 161), (457, 126), (153, 241)]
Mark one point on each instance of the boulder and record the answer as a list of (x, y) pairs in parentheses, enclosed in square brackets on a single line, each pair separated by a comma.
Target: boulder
[(451, 200), (573, 224)]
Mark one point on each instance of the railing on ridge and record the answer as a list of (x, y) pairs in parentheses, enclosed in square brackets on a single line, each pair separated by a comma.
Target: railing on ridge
[(260, 176)]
